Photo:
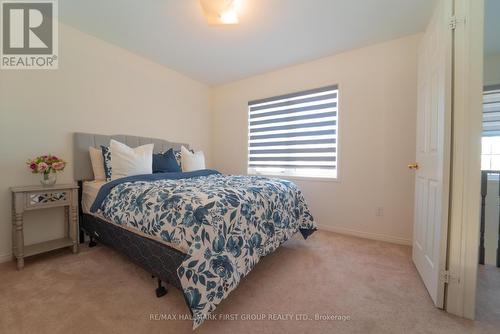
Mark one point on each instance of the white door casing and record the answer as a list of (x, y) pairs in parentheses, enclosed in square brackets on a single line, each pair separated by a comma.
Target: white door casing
[(432, 177), (463, 238)]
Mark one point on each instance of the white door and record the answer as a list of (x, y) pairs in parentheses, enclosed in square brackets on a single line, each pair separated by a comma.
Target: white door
[(433, 151)]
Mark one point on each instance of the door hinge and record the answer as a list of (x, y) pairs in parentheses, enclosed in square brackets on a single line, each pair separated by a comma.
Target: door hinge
[(449, 278), (454, 21)]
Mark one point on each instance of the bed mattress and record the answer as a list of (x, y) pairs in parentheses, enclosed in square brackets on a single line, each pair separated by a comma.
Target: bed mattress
[(90, 189)]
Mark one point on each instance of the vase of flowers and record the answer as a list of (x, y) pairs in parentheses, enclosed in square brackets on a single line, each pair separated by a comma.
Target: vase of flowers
[(47, 166)]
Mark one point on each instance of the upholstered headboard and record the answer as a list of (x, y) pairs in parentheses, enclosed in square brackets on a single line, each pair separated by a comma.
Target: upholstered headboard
[(82, 168)]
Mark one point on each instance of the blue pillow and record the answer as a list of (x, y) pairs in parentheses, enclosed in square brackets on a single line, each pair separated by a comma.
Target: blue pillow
[(165, 163), (106, 155)]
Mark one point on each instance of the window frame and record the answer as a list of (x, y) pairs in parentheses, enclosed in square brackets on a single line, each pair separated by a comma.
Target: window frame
[(284, 175)]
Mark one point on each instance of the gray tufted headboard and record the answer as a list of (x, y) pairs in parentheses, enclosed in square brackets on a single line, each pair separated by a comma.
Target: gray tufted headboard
[(82, 168)]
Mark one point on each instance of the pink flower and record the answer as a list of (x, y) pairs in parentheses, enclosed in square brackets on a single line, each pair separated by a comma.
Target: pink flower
[(33, 166), (42, 167), (58, 165)]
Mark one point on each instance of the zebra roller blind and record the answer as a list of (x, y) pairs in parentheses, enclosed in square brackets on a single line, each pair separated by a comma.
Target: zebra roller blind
[(294, 134), (491, 111)]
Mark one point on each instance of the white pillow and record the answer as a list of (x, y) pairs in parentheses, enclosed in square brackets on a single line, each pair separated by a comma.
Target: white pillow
[(192, 161), (97, 163), (127, 161)]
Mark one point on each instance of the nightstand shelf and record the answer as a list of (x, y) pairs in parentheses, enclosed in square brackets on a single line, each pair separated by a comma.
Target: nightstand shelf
[(30, 198), (47, 246)]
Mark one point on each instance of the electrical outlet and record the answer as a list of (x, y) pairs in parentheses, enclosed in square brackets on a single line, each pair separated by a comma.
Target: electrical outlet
[(379, 212)]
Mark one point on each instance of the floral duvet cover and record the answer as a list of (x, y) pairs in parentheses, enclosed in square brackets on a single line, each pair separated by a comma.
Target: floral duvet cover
[(227, 223)]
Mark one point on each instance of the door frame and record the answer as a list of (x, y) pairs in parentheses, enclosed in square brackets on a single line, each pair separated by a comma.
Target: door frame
[(463, 238)]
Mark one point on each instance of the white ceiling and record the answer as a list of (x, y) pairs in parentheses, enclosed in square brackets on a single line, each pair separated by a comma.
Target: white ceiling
[(271, 33), (492, 27)]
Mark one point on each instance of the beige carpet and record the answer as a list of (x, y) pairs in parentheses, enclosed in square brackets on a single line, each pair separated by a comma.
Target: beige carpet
[(488, 295), (99, 291)]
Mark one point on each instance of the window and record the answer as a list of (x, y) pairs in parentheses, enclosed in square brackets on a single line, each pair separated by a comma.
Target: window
[(294, 134), (490, 156)]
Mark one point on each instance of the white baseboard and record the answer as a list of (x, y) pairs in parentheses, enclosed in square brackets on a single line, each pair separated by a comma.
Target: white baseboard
[(5, 257), (367, 235)]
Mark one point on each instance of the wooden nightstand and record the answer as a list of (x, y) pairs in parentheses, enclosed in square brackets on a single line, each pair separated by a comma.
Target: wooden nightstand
[(39, 197)]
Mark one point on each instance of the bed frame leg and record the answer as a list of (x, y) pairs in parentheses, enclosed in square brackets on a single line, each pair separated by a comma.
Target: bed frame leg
[(160, 290), (92, 243)]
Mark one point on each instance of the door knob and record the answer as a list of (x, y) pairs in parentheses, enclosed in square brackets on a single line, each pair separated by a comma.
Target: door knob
[(413, 165)]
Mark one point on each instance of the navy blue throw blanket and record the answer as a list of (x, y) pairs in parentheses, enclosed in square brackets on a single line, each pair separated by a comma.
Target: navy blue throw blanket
[(106, 189)]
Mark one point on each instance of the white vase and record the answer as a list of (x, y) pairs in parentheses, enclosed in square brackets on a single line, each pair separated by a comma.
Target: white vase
[(48, 179)]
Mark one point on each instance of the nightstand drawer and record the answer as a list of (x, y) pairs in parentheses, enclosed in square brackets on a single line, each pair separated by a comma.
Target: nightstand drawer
[(47, 198)]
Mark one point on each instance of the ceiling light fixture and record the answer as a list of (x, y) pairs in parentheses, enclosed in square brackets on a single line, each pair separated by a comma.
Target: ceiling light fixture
[(221, 11)]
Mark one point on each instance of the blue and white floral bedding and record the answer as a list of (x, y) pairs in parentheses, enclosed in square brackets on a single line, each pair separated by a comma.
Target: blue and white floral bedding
[(227, 223)]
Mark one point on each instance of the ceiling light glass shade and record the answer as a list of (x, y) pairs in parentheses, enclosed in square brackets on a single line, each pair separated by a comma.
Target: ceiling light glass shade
[(220, 11)]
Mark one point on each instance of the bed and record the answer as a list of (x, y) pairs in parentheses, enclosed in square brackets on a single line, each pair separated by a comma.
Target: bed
[(200, 231)]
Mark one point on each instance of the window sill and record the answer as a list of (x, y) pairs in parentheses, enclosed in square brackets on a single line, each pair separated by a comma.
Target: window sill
[(299, 178)]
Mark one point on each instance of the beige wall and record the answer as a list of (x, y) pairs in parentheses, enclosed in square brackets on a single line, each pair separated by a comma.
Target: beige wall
[(378, 87), (492, 69), (98, 88)]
